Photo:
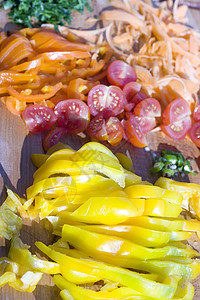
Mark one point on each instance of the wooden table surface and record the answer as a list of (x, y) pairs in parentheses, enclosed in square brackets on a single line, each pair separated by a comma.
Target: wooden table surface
[(16, 170)]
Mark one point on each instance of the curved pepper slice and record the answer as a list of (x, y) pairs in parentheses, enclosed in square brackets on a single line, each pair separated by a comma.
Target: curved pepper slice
[(162, 224), (106, 210), (151, 191), (34, 97), (140, 235), (71, 291), (160, 208), (81, 271), (78, 168), (38, 159), (19, 253), (104, 246), (189, 191)]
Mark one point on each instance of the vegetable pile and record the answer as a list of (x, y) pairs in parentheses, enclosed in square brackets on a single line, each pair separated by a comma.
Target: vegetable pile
[(34, 13), (138, 236)]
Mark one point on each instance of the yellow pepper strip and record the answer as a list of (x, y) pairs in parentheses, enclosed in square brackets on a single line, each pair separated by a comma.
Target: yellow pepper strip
[(18, 276), (125, 161), (103, 246), (97, 147), (10, 223), (38, 159), (106, 210), (189, 191), (81, 271), (131, 178), (78, 168), (47, 184), (140, 235), (160, 208), (62, 154), (186, 269), (15, 203), (151, 191), (164, 224), (71, 291), (19, 253)]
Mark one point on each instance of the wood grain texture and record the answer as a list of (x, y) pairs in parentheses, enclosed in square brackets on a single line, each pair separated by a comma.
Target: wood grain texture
[(16, 170)]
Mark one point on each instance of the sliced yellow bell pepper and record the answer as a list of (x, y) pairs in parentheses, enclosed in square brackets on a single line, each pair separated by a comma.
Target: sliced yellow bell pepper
[(139, 235), (81, 271), (78, 168), (160, 208), (125, 161), (97, 147), (163, 224), (38, 159), (19, 253), (189, 191), (106, 210), (103, 246), (151, 191)]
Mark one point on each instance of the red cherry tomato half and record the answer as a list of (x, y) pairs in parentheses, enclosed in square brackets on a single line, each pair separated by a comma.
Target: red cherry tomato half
[(106, 100), (73, 115), (130, 90), (120, 73), (177, 130), (114, 131), (149, 107), (134, 133), (97, 128), (175, 111), (146, 124), (38, 117), (53, 137), (123, 122), (195, 133), (196, 113)]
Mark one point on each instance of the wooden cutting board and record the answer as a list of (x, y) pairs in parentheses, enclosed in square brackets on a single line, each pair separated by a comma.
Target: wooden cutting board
[(16, 170)]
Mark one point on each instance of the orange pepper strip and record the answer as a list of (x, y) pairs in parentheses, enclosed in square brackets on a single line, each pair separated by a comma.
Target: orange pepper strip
[(35, 98), (29, 65), (3, 36), (13, 105), (48, 40), (65, 55), (11, 77)]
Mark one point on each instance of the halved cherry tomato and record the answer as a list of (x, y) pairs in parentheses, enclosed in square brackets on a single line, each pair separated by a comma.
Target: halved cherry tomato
[(53, 137), (130, 90), (196, 113), (38, 117), (134, 133), (123, 122), (195, 133), (114, 131), (177, 130), (146, 123), (73, 115), (149, 107), (106, 100), (120, 73), (175, 111), (97, 128)]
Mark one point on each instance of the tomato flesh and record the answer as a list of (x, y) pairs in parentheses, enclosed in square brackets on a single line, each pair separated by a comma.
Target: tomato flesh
[(195, 133), (114, 131), (149, 107), (73, 115), (106, 100), (130, 90), (146, 123), (196, 113), (120, 73), (177, 130), (97, 128), (175, 111), (53, 137), (134, 133), (38, 117)]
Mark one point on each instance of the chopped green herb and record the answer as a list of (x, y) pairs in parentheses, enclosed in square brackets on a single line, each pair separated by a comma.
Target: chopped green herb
[(33, 13), (172, 163)]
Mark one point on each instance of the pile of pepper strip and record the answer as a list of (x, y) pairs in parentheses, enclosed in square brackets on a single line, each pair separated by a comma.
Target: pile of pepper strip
[(37, 66), (116, 236)]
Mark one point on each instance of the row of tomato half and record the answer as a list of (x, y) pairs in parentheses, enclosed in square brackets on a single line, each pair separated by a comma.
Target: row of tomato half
[(114, 111)]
